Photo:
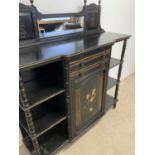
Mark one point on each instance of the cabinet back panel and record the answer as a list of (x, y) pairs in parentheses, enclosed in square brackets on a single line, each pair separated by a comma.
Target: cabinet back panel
[(53, 71), (60, 130), (55, 105)]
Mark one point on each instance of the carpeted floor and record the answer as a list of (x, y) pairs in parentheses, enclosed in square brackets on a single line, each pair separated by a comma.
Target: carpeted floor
[(114, 134)]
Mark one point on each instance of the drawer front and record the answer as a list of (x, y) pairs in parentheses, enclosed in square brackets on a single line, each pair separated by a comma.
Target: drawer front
[(89, 63), (88, 60)]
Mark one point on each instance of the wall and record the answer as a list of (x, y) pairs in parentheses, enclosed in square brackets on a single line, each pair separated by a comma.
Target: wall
[(117, 16)]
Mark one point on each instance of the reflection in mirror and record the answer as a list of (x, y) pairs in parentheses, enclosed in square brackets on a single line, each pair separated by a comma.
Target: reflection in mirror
[(56, 26)]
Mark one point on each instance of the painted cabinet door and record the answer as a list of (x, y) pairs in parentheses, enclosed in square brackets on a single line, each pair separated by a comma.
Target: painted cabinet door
[(88, 99)]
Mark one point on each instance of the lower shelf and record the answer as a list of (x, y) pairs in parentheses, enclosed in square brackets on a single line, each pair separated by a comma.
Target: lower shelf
[(46, 123), (54, 139), (111, 82), (54, 144), (51, 141), (28, 143), (45, 116), (110, 101)]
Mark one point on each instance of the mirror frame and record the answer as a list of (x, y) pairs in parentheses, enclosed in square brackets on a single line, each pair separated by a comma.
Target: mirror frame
[(86, 11)]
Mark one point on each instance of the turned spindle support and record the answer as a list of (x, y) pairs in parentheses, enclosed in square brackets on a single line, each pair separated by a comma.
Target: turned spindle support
[(85, 2), (99, 2), (31, 1)]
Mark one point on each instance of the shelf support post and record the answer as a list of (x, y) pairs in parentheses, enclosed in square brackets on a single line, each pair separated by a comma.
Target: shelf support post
[(68, 97), (25, 103), (120, 71)]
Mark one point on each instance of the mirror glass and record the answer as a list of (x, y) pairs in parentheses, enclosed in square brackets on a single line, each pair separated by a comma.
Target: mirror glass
[(57, 26)]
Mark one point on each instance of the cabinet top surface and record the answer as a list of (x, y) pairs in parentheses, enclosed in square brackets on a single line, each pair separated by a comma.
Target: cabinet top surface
[(48, 52)]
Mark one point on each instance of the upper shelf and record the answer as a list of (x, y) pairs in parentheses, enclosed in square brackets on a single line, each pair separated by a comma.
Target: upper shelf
[(42, 94), (40, 84), (47, 52), (114, 62)]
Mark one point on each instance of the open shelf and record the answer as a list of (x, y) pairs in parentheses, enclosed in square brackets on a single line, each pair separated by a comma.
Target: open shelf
[(46, 116), (110, 101), (27, 140), (51, 141), (55, 142), (47, 122), (111, 82), (43, 83), (54, 139), (114, 62), (29, 145), (41, 94)]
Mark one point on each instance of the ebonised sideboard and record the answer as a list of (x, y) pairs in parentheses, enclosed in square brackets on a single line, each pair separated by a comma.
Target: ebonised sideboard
[(63, 88), (63, 84)]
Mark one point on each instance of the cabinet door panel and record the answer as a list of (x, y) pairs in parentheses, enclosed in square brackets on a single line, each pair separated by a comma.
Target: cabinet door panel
[(88, 98)]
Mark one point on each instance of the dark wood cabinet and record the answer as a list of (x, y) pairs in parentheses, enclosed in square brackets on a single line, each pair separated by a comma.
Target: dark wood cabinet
[(88, 80), (63, 84), (62, 96)]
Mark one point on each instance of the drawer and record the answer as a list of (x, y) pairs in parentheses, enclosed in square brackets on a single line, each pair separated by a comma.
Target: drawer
[(89, 60), (100, 65)]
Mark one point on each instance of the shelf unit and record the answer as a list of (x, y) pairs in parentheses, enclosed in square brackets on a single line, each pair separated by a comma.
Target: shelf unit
[(45, 116), (38, 97), (51, 141), (54, 139), (43, 105), (111, 101), (43, 109)]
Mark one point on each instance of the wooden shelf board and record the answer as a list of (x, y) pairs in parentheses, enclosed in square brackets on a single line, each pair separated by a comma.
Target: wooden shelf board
[(45, 123), (114, 62), (42, 94), (49, 121), (55, 142), (111, 82), (110, 101), (28, 143)]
